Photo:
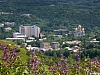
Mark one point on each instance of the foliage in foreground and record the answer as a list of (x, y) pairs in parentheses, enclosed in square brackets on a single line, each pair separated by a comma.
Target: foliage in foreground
[(11, 64)]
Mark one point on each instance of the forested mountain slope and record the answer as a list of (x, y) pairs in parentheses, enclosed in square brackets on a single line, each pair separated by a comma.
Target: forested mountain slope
[(53, 14)]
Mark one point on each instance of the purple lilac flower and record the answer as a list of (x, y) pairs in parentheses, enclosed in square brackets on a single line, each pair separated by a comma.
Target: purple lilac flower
[(32, 52), (59, 63), (63, 71), (95, 60), (34, 66), (6, 55), (34, 69), (4, 48), (41, 51), (65, 62), (13, 53), (33, 62), (77, 66), (62, 56), (66, 67), (51, 68), (77, 57)]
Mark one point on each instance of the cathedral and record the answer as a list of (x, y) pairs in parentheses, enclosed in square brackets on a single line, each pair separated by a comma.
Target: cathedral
[(79, 31)]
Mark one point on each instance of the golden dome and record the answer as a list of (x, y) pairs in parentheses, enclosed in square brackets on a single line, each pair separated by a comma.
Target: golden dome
[(79, 26), (82, 29), (76, 29)]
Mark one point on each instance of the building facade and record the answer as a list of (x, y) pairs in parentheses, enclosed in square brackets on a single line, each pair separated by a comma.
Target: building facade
[(36, 31), (29, 30), (55, 45), (79, 31), (61, 31), (45, 45), (18, 35)]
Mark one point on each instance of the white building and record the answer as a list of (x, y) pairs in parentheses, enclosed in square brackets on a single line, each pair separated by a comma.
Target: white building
[(36, 31), (32, 48), (9, 23), (29, 30), (72, 42), (79, 31), (1, 25), (18, 35), (23, 39), (8, 28)]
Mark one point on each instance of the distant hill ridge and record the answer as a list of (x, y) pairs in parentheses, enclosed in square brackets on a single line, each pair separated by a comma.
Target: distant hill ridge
[(54, 14)]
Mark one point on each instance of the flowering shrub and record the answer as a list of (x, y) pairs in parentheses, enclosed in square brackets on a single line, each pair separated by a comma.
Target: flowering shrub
[(11, 64)]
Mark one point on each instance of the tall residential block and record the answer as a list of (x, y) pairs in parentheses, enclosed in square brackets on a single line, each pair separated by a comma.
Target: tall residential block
[(29, 30)]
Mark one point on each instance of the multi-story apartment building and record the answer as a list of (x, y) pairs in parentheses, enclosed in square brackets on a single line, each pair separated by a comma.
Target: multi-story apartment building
[(45, 45), (36, 31), (55, 45), (29, 30)]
